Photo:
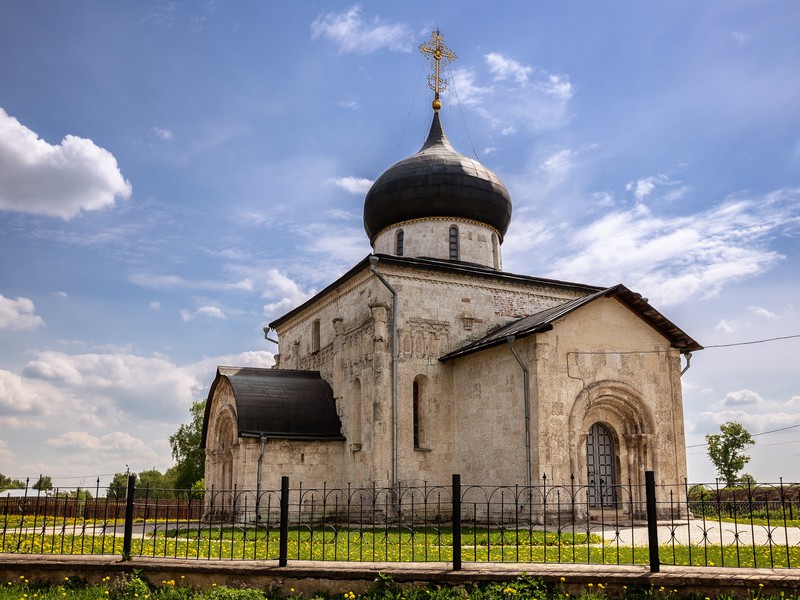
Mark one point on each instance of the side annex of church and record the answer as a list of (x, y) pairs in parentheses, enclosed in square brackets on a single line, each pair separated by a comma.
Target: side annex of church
[(427, 359)]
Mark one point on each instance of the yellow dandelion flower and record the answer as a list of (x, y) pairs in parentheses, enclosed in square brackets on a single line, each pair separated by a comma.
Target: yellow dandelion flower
[(760, 585), (601, 586), (592, 585), (183, 576), (563, 579)]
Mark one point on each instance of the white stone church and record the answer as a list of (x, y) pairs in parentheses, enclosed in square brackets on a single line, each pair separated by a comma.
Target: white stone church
[(427, 359)]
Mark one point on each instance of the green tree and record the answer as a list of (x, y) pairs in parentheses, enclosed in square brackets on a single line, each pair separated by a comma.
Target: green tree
[(45, 482), (727, 450), (6, 483), (190, 458), (150, 483), (116, 489)]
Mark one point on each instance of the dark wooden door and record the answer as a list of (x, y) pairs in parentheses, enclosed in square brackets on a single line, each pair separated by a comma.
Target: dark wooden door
[(600, 463)]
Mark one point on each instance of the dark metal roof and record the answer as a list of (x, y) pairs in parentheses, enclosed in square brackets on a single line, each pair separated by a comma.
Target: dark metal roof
[(437, 181), (279, 403), (435, 264), (543, 321)]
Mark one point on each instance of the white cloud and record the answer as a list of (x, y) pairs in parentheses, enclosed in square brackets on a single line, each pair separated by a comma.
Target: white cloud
[(61, 294), (726, 326), (18, 314), (82, 440), (353, 34), (558, 86), (212, 312), (354, 185), (155, 305), (345, 245), (283, 292), (743, 398), (99, 386), (644, 187), (558, 165), (531, 98), (21, 423), (205, 369), (162, 134), (672, 259), (762, 312), (741, 38), (167, 282), (20, 396), (55, 180), (6, 456), (502, 67), (349, 103)]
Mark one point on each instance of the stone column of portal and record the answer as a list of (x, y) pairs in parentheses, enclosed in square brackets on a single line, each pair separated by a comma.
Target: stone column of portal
[(380, 392)]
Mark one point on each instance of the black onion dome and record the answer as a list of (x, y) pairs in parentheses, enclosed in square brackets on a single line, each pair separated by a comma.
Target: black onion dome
[(437, 181)]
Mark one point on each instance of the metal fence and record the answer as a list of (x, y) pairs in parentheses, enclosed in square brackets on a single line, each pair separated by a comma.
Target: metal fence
[(649, 524)]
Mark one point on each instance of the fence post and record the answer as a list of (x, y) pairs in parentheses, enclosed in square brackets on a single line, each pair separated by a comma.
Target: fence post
[(128, 534), (283, 542), (652, 520), (456, 522)]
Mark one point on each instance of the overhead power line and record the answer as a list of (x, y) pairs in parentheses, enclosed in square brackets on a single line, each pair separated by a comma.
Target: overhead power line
[(753, 434), (785, 337)]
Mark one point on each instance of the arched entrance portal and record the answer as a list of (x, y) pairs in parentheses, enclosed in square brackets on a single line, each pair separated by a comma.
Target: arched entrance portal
[(600, 464)]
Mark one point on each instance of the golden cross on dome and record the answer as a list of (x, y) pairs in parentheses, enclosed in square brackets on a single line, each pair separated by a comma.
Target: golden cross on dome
[(439, 56)]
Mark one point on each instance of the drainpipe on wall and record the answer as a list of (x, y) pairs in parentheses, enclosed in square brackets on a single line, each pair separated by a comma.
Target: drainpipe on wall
[(373, 260), (526, 393), (688, 356)]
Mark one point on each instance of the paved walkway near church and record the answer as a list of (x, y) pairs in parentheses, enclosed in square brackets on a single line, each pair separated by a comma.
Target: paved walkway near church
[(697, 533)]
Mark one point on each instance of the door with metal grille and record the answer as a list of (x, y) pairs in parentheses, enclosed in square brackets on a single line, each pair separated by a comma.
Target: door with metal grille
[(600, 463)]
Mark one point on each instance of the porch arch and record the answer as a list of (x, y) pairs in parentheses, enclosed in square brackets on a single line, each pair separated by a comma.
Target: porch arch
[(622, 411)]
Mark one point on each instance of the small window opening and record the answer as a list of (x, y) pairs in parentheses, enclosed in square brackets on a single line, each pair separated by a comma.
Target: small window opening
[(454, 243), (315, 336), (398, 243)]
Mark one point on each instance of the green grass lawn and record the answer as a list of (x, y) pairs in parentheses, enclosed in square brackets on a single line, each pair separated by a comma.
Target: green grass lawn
[(394, 545)]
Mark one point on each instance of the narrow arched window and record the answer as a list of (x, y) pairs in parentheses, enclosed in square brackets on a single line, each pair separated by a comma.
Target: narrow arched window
[(398, 243), (417, 417), (355, 417), (315, 336), (496, 251), (453, 243)]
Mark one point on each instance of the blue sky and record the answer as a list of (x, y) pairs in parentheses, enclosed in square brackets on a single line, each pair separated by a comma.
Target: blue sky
[(174, 175)]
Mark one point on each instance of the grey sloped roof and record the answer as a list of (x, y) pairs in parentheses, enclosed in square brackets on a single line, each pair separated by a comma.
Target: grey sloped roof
[(279, 403), (543, 321)]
